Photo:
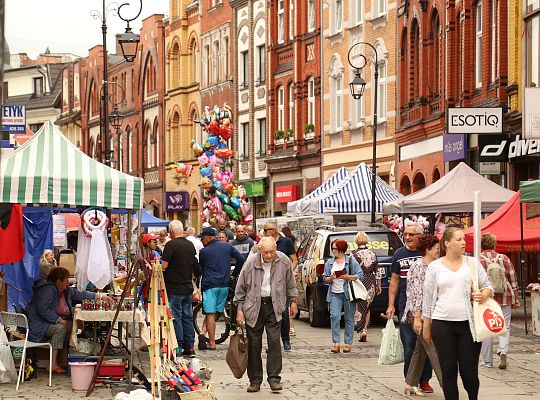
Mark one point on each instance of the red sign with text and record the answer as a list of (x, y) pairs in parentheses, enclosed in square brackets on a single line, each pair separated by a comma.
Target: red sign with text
[(285, 194)]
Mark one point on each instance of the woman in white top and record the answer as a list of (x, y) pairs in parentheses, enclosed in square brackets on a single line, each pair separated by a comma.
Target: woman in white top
[(338, 271), (448, 315)]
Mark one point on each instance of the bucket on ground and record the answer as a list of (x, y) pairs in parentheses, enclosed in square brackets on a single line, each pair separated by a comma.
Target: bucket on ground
[(82, 374)]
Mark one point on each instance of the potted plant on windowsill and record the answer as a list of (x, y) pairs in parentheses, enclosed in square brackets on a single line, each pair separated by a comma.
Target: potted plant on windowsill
[(278, 136), (290, 135), (309, 131)]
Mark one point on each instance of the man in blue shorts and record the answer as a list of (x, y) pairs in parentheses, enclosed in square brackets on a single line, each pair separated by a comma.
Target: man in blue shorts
[(215, 261)]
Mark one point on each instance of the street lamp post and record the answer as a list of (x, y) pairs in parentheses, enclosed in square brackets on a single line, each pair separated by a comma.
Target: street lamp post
[(128, 42), (357, 87)]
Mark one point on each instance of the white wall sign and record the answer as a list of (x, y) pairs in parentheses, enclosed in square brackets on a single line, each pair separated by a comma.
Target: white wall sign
[(475, 120), (490, 168), (59, 231), (531, 121)]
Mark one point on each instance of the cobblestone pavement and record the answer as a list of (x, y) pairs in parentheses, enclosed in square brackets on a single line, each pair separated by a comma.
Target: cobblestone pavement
[(311, 371)]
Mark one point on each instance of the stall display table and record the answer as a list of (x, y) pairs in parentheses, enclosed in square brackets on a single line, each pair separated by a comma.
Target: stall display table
[(124, 317)]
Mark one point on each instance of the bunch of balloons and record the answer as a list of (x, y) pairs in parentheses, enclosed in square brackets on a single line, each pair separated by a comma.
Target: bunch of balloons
[(222, 197)]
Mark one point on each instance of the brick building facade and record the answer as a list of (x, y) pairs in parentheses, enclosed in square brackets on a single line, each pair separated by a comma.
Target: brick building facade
[(348, 123), (294, 87), (182, 105)]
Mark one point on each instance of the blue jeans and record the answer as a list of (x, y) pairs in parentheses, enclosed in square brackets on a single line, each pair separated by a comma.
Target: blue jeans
[(339, 302), (408, 338), (182, 312)]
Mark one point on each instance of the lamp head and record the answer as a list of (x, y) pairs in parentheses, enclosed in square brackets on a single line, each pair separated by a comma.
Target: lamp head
[(357, 86), (129, 42)]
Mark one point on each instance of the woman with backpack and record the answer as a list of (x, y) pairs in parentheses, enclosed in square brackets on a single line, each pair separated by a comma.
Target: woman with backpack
[(502, 276), (371, 280), (338, 272)]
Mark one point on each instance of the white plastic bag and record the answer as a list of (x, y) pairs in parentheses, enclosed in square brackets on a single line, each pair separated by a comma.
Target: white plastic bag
[(8, 373), (391, 351)]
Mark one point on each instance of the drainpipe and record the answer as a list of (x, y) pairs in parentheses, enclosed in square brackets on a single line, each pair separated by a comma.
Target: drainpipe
[(321, 34)]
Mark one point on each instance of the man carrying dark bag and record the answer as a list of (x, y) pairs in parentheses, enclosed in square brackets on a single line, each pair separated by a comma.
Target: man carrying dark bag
[(237, 353), (265, 285)]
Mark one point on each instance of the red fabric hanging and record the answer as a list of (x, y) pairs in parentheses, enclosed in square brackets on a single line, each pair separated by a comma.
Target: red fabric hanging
[(11, 238)]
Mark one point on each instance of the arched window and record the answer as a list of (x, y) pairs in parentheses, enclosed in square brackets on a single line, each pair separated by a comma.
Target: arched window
[(120, 153), (414, 62), (311, 101), (336, 94), (215, 62), (281, 108), (435, 56), (195, 62), (291, 106), (478, 44), (149, 147), (156, 144), (130, 150)]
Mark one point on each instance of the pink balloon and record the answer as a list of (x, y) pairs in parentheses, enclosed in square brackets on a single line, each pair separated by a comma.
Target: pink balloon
[(217, 204)]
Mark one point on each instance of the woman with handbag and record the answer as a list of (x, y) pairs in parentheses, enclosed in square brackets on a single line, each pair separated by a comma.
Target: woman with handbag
[(371, 280), (412, 315), (448, 313), (338, 272)]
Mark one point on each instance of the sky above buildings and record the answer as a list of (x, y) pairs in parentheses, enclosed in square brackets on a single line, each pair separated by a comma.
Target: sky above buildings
[(66, 26)]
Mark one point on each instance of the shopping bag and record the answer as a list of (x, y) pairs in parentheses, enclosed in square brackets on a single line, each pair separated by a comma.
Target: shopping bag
[(488, 320), (391, 351), (8, 372), (357, 291), (237, 353)]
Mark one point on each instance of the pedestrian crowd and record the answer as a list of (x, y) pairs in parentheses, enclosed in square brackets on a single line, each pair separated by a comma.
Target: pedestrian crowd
[(430, 283)]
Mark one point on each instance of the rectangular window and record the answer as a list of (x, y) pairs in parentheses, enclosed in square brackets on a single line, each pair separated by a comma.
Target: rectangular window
[(244, 143), (311, 15), (38, 86), (493, 40), (281, 108), (338, 21), (381, 94), (291, 19), (261, 63), (281, 21), (338, 104), (215, 63), (358, 12), (291, 106), (533, 53), (381, 7), (311, 101), (261, 136), (244, 69), (478, 49)]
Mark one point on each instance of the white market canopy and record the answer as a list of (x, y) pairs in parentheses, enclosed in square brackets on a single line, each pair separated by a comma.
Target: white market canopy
[(353, 194), (309, 204), (49, 169), (453, 193)]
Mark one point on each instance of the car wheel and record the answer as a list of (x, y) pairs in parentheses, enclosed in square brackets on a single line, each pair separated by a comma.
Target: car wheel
[(315, 319)]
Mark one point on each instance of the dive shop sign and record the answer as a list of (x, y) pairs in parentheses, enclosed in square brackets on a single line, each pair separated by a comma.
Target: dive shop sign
[(475, 120), (509, 148)]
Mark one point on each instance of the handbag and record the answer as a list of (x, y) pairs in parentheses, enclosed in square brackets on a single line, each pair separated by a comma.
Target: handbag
[(237, 353), (488, 317), (357, 290)]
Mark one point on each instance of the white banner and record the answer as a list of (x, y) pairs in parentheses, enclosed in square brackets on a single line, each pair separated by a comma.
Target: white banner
[(59, 231), (531, 121)]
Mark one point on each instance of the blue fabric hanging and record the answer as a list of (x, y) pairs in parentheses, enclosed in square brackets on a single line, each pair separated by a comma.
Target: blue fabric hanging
[(38, 236)]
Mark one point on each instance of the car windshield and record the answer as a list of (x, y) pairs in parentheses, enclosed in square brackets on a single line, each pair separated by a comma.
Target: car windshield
[(383, 244)]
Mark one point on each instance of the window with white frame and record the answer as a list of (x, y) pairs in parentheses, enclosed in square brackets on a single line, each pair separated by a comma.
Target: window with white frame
[(311, 101), (358, 11), (244, 69), (215, 62), (478, 47), (358, 107), (261, 64), (130, 151), (225, 50), (156, 146), (379, 8), (338, 16), (149, 149), (261, 136), (381, 93), (243, 146), (337, 109), (121, 153), (281, 108), (281, 21), (494, 5), (206, 66), (291, 106), (291, 19), (311, 15)]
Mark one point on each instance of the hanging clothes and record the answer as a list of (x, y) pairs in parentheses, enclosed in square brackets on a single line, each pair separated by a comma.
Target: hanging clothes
[(11, 233)]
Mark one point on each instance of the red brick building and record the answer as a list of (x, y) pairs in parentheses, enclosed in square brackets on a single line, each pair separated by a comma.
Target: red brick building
[(450, 55), (136, 89), (294, 87)]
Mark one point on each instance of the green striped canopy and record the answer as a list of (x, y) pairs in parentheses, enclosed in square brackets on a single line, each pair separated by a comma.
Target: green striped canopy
[(49, 169)]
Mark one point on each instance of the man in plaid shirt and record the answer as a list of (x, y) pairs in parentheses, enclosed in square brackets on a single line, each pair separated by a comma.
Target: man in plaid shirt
[(507, 300)]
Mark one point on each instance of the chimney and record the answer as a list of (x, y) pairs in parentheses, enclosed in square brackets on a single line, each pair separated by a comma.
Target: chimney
[(118, 47)]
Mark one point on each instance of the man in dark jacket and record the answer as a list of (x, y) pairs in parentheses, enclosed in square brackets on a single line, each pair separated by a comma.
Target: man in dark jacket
[(215, 259), (50, 312), (179, 264)]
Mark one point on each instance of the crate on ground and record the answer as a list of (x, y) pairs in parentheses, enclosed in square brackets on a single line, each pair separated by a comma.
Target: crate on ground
[(207, 391)]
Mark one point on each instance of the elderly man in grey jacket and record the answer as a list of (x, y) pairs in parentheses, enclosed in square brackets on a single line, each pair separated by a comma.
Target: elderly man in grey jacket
[(265, 284)]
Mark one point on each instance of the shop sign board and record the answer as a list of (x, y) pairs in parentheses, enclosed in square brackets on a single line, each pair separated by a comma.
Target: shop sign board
[(454, 147), (474, 120), (14, 119), (284, 194), (508, 149), (489, 168), (531, 120), (176, 201)]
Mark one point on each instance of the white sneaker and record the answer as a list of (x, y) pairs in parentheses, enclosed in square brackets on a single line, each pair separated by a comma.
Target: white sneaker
[(486, 365)]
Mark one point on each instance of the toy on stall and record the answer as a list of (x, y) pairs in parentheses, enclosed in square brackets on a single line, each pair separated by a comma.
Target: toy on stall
[(223, 198)]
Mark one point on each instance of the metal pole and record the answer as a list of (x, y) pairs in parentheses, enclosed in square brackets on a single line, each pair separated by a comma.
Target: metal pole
[(374, 168), (2, 55), (521, 261), (105, 88)]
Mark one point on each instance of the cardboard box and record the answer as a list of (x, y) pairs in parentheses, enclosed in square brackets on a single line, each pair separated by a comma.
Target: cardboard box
[(67, 261)]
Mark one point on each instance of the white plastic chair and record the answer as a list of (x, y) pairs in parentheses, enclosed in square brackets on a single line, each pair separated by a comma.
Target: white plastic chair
[(20, 321)]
